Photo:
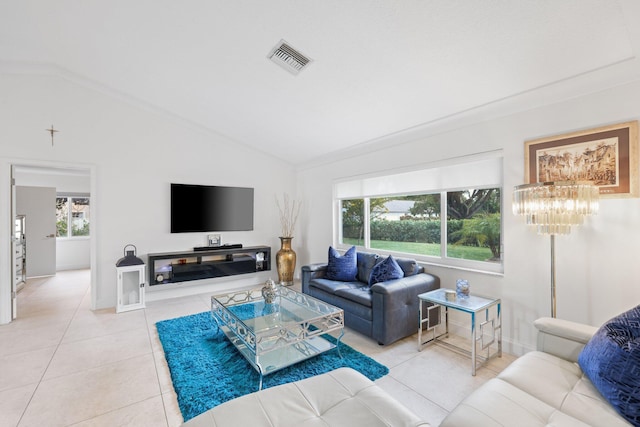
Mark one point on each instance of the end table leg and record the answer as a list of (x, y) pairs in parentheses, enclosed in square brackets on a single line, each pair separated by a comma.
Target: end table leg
[(446, 320), (473, 344), (420, 326), (500, 324)]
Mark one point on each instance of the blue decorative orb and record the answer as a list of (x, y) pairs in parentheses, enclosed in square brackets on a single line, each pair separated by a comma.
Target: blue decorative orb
[(462, 288)]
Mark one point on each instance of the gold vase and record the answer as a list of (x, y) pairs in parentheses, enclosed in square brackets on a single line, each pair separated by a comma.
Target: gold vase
[(285, 262)]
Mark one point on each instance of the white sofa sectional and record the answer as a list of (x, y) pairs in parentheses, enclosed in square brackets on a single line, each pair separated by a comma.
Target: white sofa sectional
[(541, 388)]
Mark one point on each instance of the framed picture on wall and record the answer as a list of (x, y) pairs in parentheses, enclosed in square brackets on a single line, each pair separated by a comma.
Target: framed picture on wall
[(607, 156)]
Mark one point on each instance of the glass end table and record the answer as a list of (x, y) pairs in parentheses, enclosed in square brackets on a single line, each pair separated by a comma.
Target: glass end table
[(431, 316)]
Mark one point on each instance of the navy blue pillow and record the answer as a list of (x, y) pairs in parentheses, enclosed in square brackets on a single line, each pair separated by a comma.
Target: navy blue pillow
[(611, 360), (366, 262), (343, 268), (386, 270)]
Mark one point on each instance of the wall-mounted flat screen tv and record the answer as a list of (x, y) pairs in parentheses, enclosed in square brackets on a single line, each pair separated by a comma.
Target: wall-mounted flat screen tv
[(205, 208)]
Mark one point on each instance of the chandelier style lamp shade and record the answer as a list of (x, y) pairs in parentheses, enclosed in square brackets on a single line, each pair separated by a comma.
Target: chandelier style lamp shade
[(553, 208)]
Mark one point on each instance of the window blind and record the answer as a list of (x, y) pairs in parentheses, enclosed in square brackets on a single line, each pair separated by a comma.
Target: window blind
[(462, 174)]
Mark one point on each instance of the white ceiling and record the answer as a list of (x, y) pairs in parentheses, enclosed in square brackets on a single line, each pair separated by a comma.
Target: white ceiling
[(379, 67)]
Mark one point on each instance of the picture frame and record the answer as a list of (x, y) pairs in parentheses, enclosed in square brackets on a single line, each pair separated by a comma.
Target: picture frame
[(607, 156)]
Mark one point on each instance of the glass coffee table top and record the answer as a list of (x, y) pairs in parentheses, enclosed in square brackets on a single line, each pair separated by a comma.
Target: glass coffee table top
[(280, 334)]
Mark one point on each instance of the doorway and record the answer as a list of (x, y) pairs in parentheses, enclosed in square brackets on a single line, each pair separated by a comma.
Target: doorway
[(56, 204)]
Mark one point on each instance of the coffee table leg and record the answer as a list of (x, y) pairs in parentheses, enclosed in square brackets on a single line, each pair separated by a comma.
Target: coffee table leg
[(338, 340), (217, 329), (261, 375)]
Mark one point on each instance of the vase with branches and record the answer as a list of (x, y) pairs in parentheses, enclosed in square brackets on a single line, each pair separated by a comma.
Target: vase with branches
[(286, 257)]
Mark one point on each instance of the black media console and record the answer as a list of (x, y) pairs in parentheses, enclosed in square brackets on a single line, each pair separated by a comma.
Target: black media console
[(173, 267)]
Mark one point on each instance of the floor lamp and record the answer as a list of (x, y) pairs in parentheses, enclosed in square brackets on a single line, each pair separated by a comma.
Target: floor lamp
[(553, 208)]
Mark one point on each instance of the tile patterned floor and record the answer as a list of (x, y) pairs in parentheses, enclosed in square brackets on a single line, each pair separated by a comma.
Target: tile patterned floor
[(62, 364)]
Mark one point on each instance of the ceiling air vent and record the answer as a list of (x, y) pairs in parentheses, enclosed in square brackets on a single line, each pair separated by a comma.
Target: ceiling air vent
[(288, 58)]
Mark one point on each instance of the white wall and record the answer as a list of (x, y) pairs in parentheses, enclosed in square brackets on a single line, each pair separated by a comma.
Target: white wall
[(597, 266), (62, 180), (134, 154)]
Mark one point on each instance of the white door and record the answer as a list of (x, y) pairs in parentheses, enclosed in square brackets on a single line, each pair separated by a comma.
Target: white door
[(14, 284), (38, 204)]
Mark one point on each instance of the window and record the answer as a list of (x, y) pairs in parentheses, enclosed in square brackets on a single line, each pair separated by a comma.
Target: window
[(474, 224), (353, 221), (73, 215), (409, 224), (459, 226)]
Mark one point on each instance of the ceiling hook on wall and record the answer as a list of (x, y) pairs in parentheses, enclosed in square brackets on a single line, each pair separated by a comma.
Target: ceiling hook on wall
[(51, 130)]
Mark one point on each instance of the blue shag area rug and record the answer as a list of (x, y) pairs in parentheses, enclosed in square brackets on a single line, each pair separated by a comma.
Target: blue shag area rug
[(207, 370)]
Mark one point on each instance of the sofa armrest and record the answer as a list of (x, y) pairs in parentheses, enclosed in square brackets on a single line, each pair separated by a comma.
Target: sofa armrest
[(312, 271), (395, 306), (562, 338)]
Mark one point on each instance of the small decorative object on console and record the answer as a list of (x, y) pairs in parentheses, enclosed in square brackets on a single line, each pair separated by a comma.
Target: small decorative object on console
[(462, 288), (214, 240), (270, 291)]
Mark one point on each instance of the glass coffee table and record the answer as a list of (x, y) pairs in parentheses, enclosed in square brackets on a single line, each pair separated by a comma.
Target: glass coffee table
[(280, 334)]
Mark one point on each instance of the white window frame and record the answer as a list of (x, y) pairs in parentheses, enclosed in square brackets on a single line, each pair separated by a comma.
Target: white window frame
[(455, 175), (70, 197)]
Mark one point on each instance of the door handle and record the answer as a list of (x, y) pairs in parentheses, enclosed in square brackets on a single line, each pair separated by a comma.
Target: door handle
[(50, 236)]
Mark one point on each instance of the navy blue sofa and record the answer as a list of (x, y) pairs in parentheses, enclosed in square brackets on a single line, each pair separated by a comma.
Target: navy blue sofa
[(385, 311)]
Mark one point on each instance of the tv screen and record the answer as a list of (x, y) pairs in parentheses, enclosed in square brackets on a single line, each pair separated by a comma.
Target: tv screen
[(198, 208)]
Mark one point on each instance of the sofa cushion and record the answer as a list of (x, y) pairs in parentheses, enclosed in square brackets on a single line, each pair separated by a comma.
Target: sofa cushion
[(366, 262), (316, 290), (537, 389), (410, 267), (611, 360), (331, 286), (342, 267), (355, 291), (386, 270), (359, 294)]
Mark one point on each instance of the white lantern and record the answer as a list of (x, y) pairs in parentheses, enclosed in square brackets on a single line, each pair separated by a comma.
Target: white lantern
[(131, 281)]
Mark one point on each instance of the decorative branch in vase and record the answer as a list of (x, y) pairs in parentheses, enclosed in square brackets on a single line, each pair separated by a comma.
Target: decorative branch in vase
[(289, 211), (286, 257)]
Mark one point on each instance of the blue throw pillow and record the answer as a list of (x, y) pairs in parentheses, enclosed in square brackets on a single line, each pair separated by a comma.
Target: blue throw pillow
[(410, 267), (343, 268), (611, 360), (386, 270), (366, 262)]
